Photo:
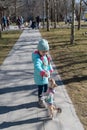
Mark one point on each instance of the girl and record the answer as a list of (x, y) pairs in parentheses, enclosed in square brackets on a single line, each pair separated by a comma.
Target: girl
[(42, 68)]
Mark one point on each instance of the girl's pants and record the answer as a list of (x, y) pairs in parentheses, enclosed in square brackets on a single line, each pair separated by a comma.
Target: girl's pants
[(42, 89)]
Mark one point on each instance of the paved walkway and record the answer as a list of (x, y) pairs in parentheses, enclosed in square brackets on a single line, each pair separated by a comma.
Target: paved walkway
[(18, 93)]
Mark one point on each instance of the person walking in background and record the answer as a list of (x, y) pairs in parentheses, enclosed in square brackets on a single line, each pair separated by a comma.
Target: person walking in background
[(33, 25), (19, 22), (38, 21), (42, 68), (4, 22), (30, 24), (8, 22), (22, 22)]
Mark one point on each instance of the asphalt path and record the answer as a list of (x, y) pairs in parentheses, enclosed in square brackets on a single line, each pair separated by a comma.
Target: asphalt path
[(18, 92)]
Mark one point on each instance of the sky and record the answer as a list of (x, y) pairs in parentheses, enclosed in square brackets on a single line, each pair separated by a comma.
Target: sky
[(77, 0)]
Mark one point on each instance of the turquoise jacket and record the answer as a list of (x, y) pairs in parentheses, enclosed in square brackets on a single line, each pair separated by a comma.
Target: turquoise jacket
[(41, 64)]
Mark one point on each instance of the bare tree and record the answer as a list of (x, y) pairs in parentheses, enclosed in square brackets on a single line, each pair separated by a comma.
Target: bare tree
[(72, 24), (44, 13), (55, 13), (52, 12), (48, 15), (15, 5), (79, 23), (55, 9)]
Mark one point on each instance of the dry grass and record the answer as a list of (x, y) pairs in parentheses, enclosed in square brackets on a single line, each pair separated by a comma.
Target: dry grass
[(71, 63), (6, 43)]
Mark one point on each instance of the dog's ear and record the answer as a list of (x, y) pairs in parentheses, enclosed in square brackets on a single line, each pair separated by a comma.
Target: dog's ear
[(55, 85), (52, 83), (52, 80)]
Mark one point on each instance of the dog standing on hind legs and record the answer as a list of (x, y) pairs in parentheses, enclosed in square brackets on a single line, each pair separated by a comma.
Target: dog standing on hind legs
[(50, 98)]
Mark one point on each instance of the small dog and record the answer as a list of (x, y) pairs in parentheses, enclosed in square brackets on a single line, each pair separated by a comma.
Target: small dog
[(49, 100)]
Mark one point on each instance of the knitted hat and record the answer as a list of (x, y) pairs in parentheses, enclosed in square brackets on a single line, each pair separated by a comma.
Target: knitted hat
[(43, 45)]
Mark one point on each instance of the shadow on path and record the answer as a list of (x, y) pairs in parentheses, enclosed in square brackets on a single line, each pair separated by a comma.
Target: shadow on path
[(17, 89), (6, 109), (29, 121)]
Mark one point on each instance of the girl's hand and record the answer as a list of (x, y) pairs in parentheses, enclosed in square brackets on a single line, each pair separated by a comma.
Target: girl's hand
[(46, 74)]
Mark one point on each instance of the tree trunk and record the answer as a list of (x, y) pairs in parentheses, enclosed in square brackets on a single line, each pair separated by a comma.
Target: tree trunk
[(57, 11), (55, 14), (15, 4), (85, 2), (0, 28), (65, 3), (52, 12), (43, 13), (72, 24), (48, 20), (79, 24), (0, 34)]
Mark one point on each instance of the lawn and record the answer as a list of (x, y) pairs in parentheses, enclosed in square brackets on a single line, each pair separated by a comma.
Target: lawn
[(6, 43), (71, 63)]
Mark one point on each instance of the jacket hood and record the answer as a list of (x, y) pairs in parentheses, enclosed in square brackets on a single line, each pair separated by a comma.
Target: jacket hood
[(35, 55)]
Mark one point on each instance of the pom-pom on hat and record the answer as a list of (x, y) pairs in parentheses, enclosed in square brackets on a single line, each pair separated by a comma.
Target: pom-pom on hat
[(43, 45)]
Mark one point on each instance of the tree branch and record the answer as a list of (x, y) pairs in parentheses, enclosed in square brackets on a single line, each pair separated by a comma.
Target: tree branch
[(85, 2)]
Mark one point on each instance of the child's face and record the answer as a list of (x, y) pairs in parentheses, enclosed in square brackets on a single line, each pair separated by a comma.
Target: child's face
[(42, 53)]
